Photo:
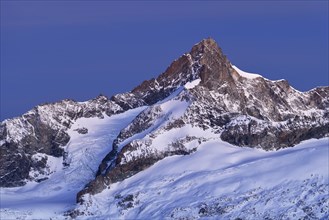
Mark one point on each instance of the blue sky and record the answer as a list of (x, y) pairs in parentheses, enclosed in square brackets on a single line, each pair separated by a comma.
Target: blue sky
[(78, 49)]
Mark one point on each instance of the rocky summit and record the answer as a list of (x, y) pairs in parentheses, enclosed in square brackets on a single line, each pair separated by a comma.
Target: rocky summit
[(200, 98)]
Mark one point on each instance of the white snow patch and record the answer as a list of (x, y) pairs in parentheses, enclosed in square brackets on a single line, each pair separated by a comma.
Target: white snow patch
[(194, 83), (162, 140), (171, 96), (174, 108), (245, 74), (52, 165)]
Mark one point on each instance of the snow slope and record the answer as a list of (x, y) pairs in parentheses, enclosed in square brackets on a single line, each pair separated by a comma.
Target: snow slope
[(219, 180), (58, 193), (223, 181)]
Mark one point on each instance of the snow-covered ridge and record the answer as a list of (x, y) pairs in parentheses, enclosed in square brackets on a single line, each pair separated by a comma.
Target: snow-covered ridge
[(58, 116), (42, 130), (246, 74)]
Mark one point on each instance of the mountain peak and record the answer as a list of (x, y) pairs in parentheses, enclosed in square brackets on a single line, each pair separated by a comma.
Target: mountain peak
[(205, 61), (205, 46), (216, 68)]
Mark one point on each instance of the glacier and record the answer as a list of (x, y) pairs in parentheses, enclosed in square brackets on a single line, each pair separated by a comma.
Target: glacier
[(219, 180)]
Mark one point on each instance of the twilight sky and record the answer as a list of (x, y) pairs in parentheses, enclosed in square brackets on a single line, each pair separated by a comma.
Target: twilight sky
[(78, 49)]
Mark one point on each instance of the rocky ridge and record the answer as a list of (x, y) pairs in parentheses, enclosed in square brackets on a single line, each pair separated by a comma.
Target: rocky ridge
[(42, 130)]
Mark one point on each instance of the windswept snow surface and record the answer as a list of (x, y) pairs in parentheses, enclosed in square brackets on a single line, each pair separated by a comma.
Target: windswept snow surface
[(58, 193), (221, 181), (245, 74), (194, 83), (218, 181)]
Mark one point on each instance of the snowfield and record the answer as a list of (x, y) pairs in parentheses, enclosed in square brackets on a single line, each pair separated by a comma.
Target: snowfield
[(217, 181), (223, 181), (48, 199)]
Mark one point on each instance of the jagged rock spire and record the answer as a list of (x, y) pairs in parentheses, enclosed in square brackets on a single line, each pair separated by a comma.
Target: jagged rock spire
[(216, 68), (207, 45), (205, 60)]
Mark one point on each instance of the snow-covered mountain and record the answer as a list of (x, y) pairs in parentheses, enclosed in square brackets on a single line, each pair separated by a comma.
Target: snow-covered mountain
[(204, 139)]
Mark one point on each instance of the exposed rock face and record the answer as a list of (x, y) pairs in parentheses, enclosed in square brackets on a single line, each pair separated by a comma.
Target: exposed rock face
[(42, 130), (245, 110), (183, 70), (216, 68), (268, 116)]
